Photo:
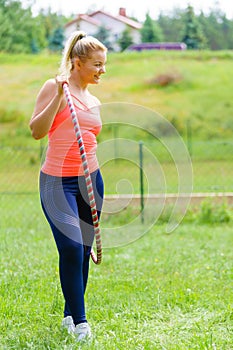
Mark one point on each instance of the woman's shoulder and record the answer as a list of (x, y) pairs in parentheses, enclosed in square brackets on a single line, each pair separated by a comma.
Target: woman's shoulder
[(50, 83), (48, 89)]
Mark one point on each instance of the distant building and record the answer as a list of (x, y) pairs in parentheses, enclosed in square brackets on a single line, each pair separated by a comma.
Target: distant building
[(157, 46), (115, 24)]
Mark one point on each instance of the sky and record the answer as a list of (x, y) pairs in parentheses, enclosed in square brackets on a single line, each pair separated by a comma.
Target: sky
[(137, 9)]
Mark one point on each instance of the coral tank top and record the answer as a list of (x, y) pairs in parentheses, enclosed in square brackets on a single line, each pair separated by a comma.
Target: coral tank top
[(63, 155)]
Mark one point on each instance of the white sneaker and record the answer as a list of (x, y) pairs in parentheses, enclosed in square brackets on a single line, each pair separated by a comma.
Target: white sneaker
[(82, 331), (68, 323)]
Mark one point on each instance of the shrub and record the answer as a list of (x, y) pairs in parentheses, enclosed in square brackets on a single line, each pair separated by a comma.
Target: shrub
[(165, 79), (212, 213)]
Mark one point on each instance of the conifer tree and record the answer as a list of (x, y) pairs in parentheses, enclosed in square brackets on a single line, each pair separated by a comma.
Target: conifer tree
[(125, 40), (150, 31), (103, 35), (193, 36), (56, 40)]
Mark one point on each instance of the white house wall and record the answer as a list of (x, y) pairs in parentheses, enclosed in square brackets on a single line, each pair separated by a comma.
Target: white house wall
[(88, 28), (114, 27)]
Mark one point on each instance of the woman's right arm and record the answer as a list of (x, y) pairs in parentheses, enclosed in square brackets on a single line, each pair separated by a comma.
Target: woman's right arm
[(47, 105)]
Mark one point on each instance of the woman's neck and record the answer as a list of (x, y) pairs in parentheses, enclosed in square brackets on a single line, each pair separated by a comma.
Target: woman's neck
[(77, 85)]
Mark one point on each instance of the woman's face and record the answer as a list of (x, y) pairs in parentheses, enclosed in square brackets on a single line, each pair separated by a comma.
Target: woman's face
[(91, 69)]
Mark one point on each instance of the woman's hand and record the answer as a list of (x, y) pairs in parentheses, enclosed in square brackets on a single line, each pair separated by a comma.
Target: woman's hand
[(60, 82)]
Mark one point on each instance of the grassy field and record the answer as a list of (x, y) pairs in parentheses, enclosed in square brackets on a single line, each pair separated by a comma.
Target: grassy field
[(202, 94), (198, 104), (161, 292)]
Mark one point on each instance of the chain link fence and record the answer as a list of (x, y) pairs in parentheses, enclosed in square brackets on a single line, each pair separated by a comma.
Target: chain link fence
[(130, 173)]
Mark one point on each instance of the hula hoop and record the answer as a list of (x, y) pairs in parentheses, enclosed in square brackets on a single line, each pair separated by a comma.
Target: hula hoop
[(96, 259)]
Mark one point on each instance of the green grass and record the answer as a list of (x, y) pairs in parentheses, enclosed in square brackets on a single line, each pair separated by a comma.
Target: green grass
[(203, 94), (199, 106), (163, 291)]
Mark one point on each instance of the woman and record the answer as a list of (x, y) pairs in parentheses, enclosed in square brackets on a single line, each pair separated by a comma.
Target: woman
[(63, 190)]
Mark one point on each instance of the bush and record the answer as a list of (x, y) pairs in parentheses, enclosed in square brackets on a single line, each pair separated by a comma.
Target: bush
[(165, 79), (212, 213), (207, 213)]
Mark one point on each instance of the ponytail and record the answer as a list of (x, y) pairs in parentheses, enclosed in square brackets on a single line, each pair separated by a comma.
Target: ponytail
[(66, 62)]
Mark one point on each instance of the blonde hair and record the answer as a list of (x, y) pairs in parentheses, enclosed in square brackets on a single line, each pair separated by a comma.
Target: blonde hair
[(79, 44)]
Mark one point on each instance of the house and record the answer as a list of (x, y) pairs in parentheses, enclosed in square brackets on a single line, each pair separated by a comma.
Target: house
[(116, 25)]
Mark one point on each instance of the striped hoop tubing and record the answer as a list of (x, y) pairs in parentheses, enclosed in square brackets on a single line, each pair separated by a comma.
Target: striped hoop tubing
[(96, 259)]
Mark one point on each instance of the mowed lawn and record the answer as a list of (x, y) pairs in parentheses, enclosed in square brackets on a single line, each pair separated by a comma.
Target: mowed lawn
[(163, 291)]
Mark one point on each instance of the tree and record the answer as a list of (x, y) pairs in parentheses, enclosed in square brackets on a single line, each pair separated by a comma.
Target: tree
[(193, 36), (150, 31), (56, 40), (6, 31), (125, 40), (103, 35), (227, 29), (34, 46), (19, 30), (171, 25), (217, 29)]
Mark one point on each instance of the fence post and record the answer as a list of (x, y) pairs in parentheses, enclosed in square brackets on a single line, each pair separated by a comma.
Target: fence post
[(141, 180)]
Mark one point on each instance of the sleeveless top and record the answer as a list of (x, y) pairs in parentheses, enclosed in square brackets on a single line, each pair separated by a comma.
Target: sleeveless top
[(63, 155)]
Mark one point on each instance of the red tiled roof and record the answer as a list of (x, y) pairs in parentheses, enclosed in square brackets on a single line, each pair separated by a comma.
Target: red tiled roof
[(130, 22), (84, 17), (91, 19)]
